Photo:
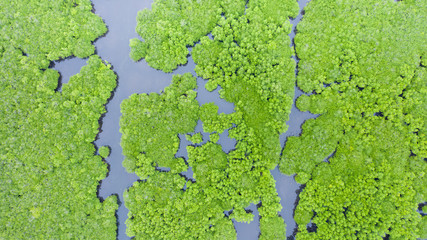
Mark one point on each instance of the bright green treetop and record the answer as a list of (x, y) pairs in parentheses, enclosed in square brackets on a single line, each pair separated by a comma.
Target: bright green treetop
[(195, 138), (104, 151)]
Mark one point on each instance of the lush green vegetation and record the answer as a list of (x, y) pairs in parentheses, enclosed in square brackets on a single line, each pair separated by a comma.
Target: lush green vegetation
[(365, 63), (104, 151), (50, 30), (48, 171), (363, 160), (151, 123), (250, 58), (171, 26)]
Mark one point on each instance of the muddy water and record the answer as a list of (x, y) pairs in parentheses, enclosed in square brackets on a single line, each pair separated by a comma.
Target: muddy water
[(120, 17)]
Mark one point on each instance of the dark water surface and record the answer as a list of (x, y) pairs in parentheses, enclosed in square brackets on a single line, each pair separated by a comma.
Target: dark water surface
[(287, 188), (120, 17)]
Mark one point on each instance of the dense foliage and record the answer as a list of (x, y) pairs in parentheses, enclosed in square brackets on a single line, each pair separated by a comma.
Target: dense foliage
[(104, 151), (49, 30), (169, 27), (150, 125), (48, 171), (160, 209), (365, 63), (250, 58)]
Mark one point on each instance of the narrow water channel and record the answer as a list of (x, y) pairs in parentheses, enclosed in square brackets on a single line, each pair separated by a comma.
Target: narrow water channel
[(286, 186), (120, 19)]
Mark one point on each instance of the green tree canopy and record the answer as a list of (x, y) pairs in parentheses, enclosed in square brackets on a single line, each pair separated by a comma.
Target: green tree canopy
[(49, 173), (48, 169), (365, 63)]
